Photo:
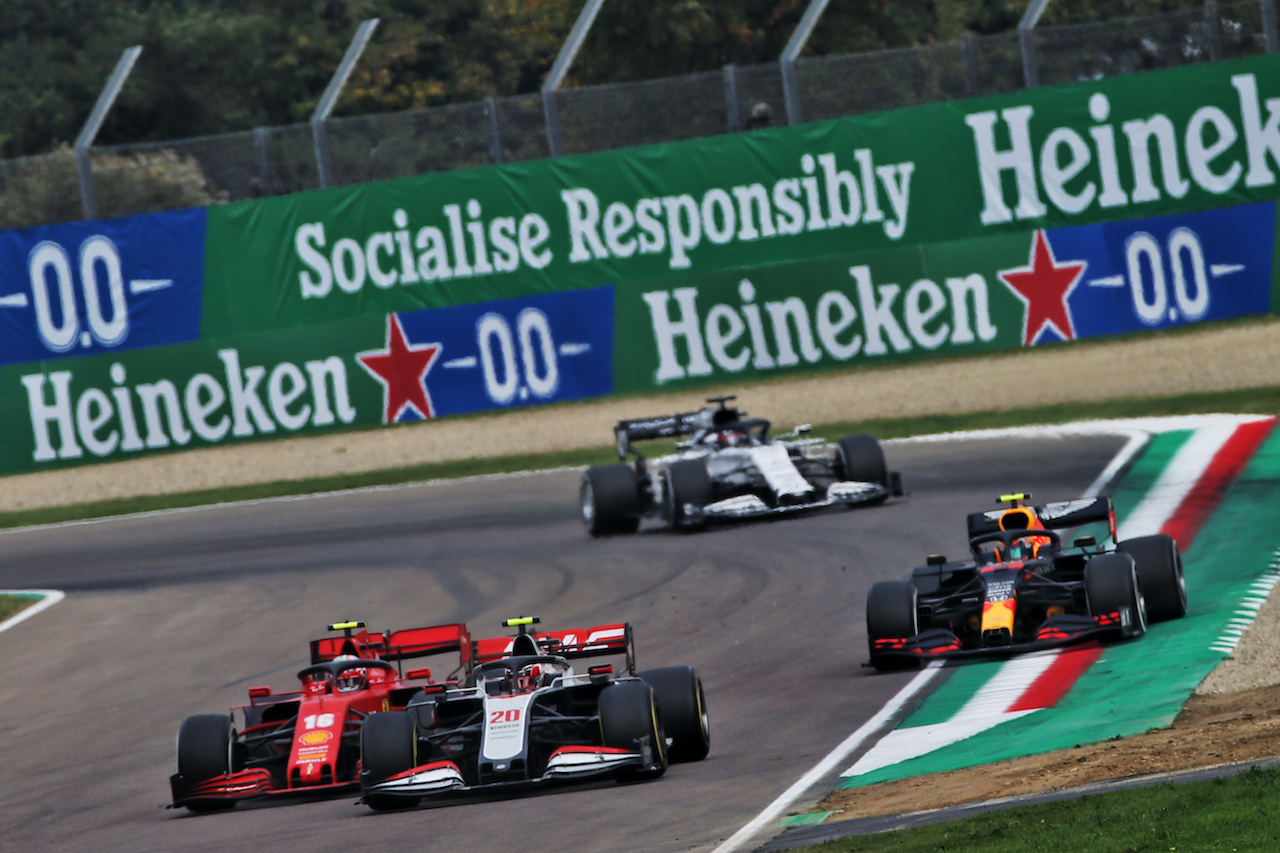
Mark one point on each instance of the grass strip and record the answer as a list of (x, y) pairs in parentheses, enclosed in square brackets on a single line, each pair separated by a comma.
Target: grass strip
[(11, 605), (1264, 400), (1238, 813)]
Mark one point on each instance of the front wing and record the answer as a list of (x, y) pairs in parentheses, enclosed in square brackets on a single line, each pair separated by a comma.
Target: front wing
[(568, 762), (942, 644), (848, 493), (243, 785)]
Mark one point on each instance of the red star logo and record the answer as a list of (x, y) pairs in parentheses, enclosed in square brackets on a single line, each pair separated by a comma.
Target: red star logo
[(402, 369), (1044, 286)]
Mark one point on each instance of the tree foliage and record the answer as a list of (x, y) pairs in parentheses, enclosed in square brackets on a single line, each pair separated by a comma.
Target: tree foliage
[(217, 66)]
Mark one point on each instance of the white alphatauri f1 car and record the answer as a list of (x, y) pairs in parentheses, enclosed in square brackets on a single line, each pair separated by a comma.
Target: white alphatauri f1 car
[(728, 467)]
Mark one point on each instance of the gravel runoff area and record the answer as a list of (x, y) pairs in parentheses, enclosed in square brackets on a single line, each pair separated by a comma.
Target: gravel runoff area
[(1235, 715)]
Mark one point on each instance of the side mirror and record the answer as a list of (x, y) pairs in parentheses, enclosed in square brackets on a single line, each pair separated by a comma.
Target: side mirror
[(936, 560), (1086, 542), (804, 429)]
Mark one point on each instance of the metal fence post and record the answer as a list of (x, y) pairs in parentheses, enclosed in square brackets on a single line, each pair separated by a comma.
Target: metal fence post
[(969, 47), (84, 163), (495, 132), (1214, 23), (551, 115), (1269, 25), (319, 132), (1030, 74), (262, 145), (733, 112), (559, 68), (790, 91), (787, 62)]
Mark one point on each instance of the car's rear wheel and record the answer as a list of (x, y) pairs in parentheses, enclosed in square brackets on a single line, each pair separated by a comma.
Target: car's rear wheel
[(892, 614), (682, 708), (861, 459), (1159, 565), (205, 744), (1111, 586), (387, 747), (610, 500), (686, 490), (629, 716)]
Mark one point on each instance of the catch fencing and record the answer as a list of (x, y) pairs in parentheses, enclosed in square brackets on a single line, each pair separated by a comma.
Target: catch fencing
[(270, 161)]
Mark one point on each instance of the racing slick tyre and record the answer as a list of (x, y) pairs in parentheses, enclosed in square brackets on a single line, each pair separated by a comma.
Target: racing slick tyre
[(610, 500), (682, 707), (205, 744), (629, 716), (1111, 586), (686, 484), (1160, 577), (892, 614), (861, 459), (386, 748)]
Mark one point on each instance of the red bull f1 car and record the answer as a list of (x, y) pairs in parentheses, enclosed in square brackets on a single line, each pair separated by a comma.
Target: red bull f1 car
[(306, 741), (525, 715), (1022, 589), (727, 466)]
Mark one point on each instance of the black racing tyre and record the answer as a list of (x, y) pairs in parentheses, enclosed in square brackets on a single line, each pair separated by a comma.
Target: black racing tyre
[(892, 614), (629, 713), (682, 709), (1159, 564), (610, 500), (205, 744), (861, 459), (387, 747), (1111, 586), (686, 483)]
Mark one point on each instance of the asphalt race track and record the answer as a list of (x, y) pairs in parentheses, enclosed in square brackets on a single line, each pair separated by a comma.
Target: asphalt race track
[(179, 613)]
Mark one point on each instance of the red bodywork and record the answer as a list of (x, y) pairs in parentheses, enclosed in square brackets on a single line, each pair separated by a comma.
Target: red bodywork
[(306, 740)]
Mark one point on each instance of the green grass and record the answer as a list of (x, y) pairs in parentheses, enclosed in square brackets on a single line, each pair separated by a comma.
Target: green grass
[(1248, 401), (11, 604), (1237, 814)]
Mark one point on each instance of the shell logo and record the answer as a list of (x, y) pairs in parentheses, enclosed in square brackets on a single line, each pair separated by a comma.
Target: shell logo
[(315, 737)]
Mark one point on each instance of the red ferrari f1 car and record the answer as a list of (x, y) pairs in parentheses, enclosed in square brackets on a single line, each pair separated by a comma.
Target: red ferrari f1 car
[(525, 716), (1023, 590), (306, 741)]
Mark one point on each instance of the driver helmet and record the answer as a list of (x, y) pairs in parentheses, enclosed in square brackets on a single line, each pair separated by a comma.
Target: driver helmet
[(529, 677), (730, 438), (350, 679)]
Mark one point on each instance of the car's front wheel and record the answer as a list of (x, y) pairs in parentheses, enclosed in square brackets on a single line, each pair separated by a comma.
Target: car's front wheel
[(205, 745), (892, 614), (387, 743), (629, 720), (686, 490), (1111, 587)]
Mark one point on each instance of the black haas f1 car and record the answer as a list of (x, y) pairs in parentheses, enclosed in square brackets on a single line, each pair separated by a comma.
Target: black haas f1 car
[(525, 716), (1023, 590), (728, 467), (306, 741)]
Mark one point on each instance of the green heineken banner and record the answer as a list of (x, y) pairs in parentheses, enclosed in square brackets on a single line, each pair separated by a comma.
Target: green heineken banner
[(1113, 206), (1125, 147)]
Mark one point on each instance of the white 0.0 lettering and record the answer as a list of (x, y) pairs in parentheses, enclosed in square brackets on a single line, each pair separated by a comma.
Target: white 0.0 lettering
[(54, 298), (1186, 266), (510, 371)]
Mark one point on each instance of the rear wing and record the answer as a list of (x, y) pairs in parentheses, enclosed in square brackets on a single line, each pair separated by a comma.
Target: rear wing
[(661, 426), (674, 426), (573, 643), (396, 645), (1054, 516)]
